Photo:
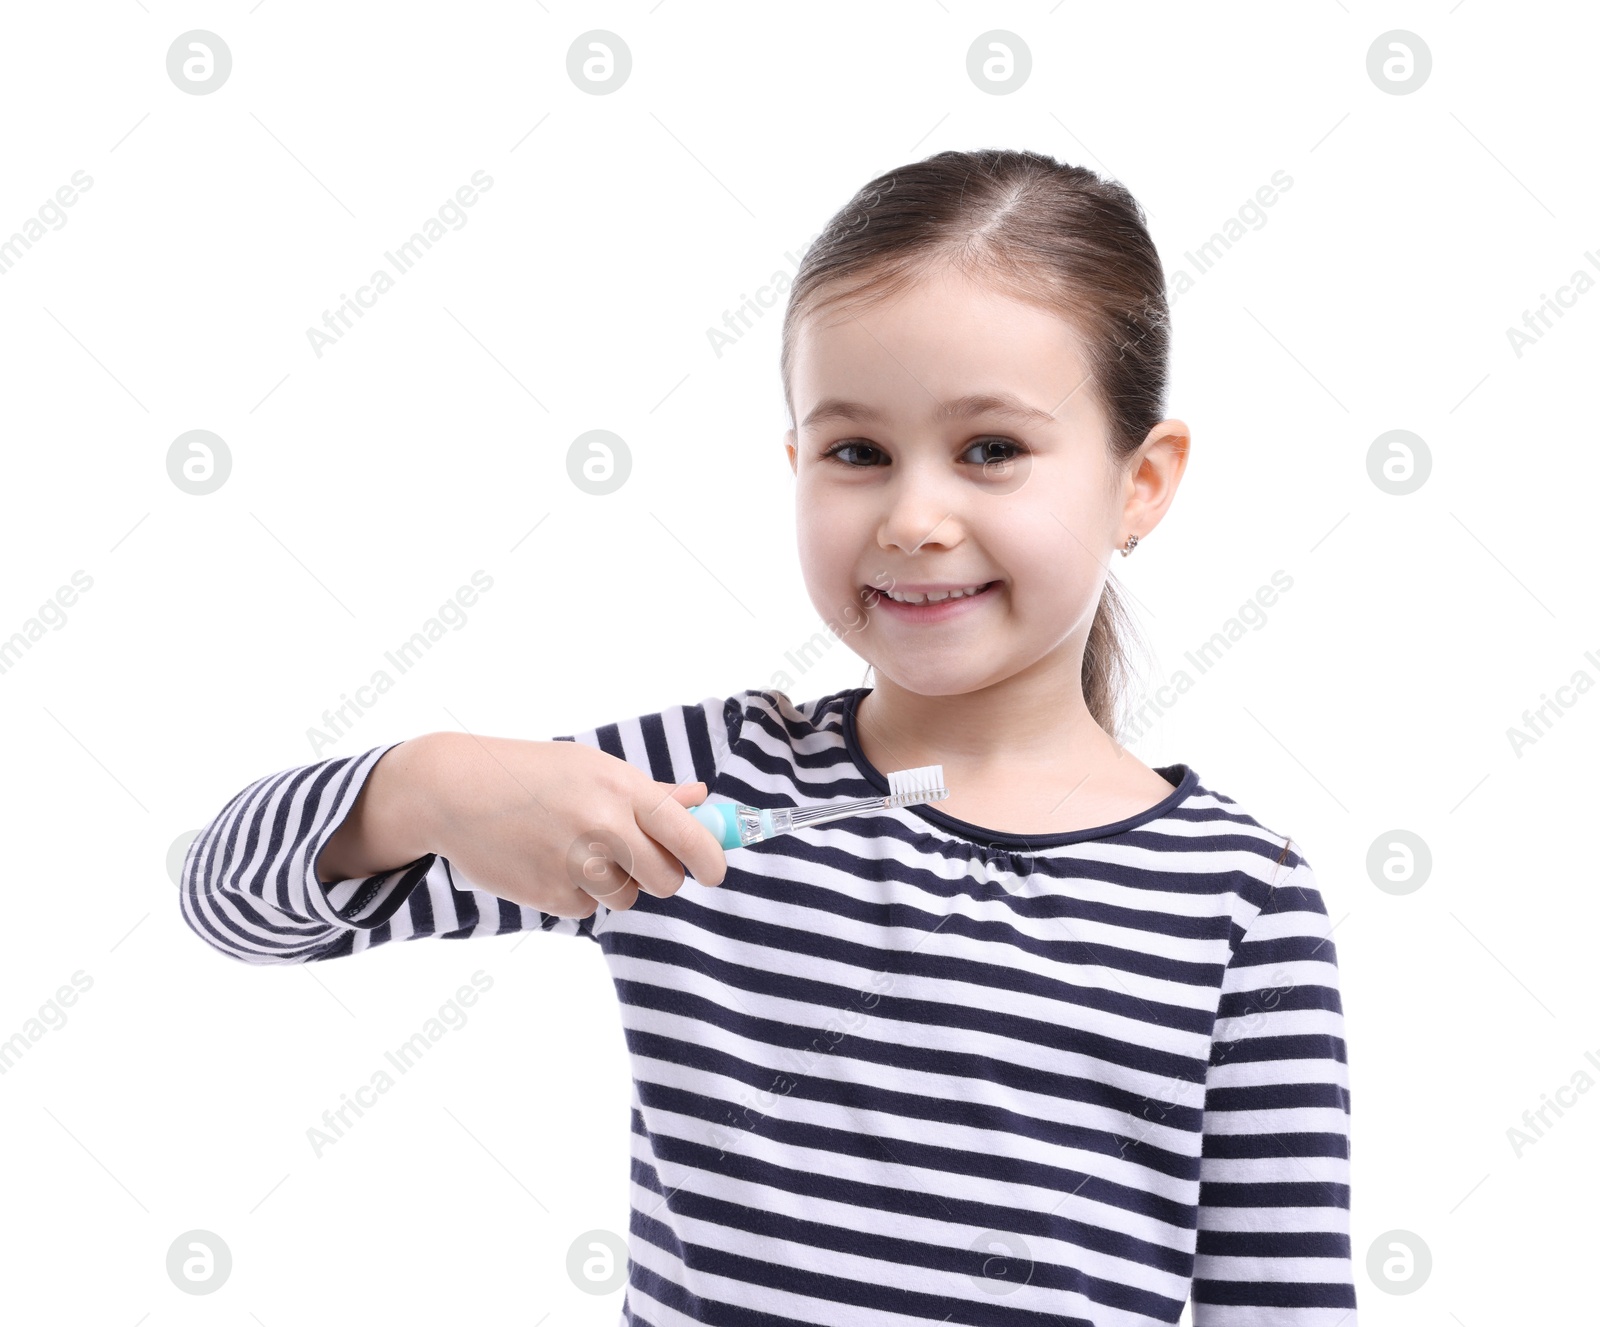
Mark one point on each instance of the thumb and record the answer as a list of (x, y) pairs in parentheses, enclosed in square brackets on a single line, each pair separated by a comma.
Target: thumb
[(689, 794)]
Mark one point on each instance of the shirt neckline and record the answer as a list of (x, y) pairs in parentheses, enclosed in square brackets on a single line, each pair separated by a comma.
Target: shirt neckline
[(1182, 776)]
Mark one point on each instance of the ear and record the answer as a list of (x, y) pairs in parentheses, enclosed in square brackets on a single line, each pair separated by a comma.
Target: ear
[(1152, 480), (794, 454)]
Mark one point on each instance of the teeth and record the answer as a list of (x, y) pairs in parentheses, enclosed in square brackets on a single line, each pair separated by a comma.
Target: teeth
[(938, 596)]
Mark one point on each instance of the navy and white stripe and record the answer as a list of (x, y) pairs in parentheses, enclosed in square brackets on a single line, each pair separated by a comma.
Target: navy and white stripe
[(898, 1068)]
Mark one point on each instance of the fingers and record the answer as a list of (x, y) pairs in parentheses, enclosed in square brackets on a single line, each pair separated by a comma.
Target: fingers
[(596, 877), (674, 839), (685, 794), (698, 849)]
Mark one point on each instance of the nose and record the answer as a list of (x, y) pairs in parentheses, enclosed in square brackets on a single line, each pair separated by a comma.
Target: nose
[(920, 511)]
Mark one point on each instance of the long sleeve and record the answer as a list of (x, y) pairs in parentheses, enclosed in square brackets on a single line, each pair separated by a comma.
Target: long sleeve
[(1273, 1242), (249, 886)]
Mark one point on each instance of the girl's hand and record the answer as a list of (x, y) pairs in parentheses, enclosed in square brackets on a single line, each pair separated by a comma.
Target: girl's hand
[(560, 826)]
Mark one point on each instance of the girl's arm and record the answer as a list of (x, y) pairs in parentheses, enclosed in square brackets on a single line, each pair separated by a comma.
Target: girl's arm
[(261, 881), (388, 824), (1274, 1221)]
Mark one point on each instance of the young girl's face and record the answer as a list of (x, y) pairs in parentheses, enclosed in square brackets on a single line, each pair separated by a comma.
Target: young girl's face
[(905, 498)]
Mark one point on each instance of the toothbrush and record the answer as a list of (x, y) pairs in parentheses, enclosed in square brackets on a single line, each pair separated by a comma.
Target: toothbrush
[(738, 826)]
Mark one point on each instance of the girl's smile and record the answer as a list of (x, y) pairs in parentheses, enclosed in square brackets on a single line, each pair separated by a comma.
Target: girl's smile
[(932, 603)]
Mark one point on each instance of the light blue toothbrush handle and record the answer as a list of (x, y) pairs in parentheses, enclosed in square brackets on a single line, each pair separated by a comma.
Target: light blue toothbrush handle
[(722, 819)]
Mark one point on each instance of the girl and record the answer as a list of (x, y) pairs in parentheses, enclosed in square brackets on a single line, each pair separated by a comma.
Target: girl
[(1066, 1047)]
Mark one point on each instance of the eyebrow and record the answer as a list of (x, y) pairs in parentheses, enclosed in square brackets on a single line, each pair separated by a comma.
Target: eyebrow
[(963, 407)]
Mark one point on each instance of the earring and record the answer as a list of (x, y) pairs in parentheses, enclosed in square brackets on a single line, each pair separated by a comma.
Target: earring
[(1127, 548)]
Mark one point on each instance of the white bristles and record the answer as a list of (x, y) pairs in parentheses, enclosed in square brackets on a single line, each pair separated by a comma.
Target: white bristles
[(907, 787)]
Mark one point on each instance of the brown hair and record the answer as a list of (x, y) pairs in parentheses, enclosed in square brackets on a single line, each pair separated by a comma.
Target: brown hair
[(1054, 235)]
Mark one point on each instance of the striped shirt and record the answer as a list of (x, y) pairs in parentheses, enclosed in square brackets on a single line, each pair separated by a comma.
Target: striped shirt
[(899, 1068)]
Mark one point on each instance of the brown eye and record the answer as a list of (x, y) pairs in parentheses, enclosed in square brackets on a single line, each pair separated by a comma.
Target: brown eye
[(834, 453), (1016, 449)]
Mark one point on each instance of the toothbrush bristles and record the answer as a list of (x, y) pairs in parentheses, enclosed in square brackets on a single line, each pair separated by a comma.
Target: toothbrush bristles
[(908, 787)]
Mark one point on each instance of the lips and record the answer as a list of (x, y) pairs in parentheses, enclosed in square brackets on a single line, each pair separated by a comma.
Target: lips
[(925, 612), (945, 591)]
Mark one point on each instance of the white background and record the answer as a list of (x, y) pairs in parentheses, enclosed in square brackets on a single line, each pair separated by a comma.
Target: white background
[(370, 483)]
